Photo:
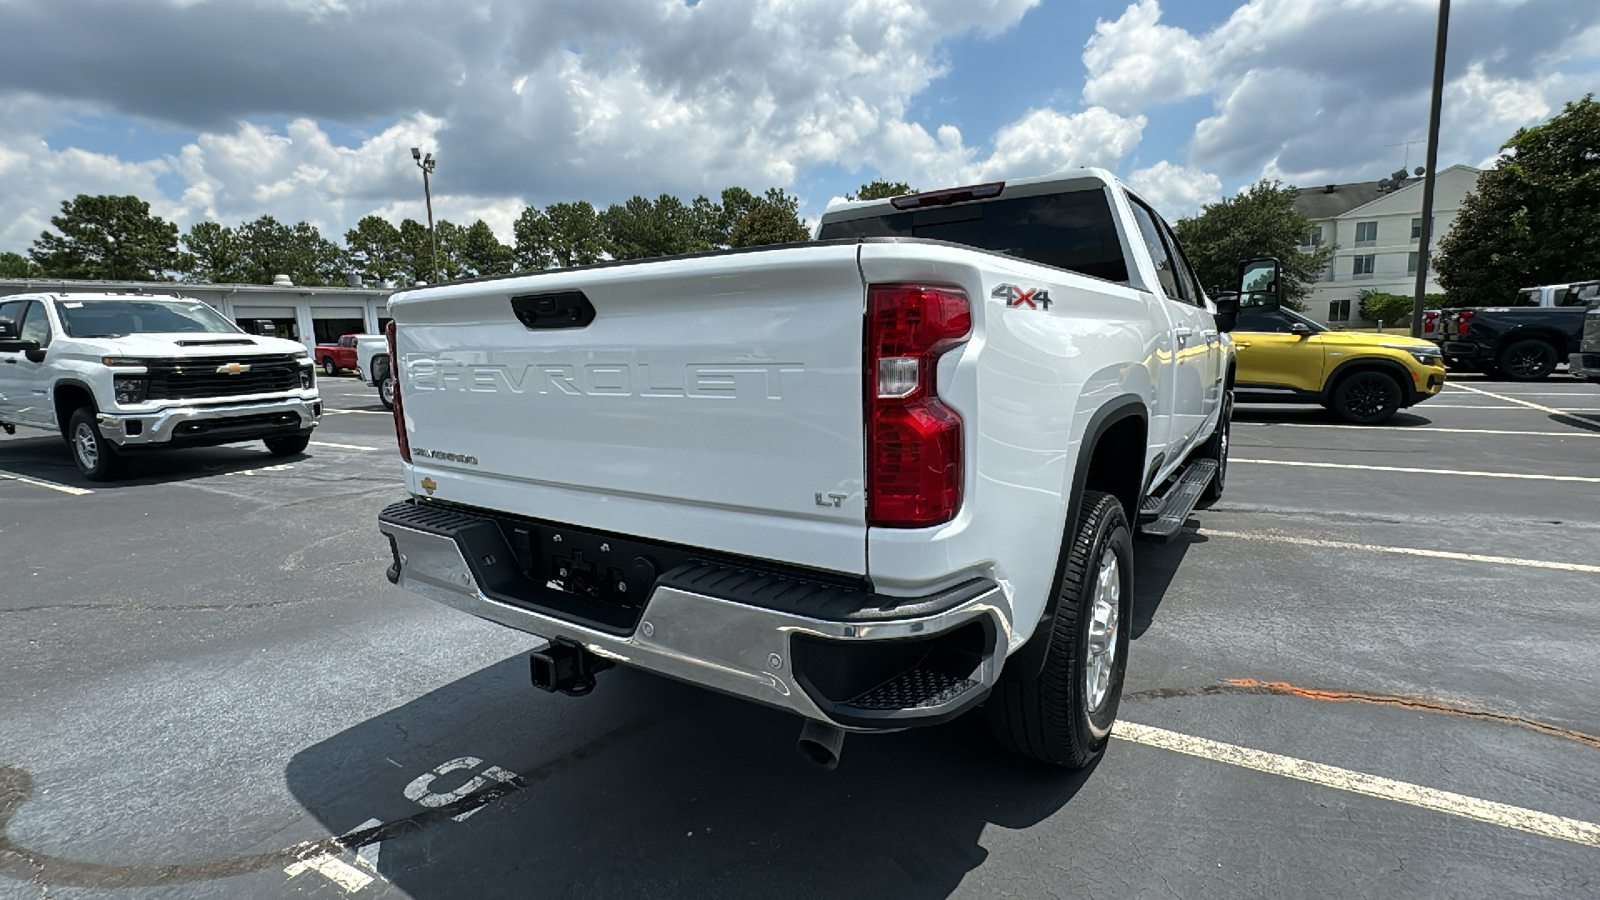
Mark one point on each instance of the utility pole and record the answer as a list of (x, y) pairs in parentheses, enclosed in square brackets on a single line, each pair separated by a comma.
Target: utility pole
[(1426, 236), (426, 164)]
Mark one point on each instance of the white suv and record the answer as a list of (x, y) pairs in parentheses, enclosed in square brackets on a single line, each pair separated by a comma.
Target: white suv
[(116, 374)]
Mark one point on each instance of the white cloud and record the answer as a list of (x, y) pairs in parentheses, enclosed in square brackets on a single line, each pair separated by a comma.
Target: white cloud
[(1135, 62), (1316, 92), (1176, 191)]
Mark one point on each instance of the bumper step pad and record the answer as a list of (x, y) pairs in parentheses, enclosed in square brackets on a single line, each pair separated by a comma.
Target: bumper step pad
[(916, 689), (1161, 517)]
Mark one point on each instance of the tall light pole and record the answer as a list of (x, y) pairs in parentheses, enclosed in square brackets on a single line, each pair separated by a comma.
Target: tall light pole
[(1426, 234), (426, 164)]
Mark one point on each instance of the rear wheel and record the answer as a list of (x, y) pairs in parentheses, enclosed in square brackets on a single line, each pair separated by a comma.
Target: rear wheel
[(385, 383), (1528, 360), (97, 459), (1062, 714), (1367, 398), (288, 446)]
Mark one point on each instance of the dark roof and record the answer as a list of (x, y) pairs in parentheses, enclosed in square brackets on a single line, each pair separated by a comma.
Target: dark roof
[(1318, 202)]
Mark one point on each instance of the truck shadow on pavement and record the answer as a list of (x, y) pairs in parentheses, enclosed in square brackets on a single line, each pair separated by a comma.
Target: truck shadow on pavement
[(50, 459), (650, 788), (1155, 567)]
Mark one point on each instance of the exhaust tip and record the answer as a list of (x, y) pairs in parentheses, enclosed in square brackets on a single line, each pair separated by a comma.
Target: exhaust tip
[(820, 744)]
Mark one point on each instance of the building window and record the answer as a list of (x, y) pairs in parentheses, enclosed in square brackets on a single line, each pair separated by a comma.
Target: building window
[(1363, 265), (1366, 234), (1411, 263), (1416, 228), (1339, 310), (1313, 238)]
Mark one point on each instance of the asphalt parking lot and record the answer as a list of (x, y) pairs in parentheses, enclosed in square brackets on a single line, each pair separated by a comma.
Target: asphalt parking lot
[(1372, 670)]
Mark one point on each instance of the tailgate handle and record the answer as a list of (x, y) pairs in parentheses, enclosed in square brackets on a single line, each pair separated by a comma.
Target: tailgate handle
[(567, 309)]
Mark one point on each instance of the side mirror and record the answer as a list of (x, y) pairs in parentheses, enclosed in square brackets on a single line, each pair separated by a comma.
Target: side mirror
[(30, 349), (1260, 283), (1227, 314), (1300, 328)]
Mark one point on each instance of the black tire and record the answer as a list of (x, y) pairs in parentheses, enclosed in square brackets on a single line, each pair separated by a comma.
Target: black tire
[(288, 446), (1048, 715), (328, 368), (385, 382), (95, 456), (1529, 359), (1367, 398), (1216, 448)]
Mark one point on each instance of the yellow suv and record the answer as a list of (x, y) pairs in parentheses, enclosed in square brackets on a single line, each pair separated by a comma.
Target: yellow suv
[(1284, 357)]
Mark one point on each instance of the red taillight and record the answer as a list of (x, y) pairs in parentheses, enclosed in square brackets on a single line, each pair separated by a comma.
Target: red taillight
[(1430, 321), (914, 441), (399, 414), (1464, 321)]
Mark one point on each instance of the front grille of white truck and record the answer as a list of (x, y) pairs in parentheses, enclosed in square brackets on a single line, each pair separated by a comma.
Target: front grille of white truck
[(218, 376)]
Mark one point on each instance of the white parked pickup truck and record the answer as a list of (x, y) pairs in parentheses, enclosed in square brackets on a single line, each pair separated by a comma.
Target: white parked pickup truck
[(875, 479), (372, 362), (117, 374)]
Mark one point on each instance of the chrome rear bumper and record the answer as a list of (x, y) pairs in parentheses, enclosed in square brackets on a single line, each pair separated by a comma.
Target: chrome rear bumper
[(728, 646)]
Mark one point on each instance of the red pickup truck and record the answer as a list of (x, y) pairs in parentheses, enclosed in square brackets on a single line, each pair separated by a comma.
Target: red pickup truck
[(333, 357)]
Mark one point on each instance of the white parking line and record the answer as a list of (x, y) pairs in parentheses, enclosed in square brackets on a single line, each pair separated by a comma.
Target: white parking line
[(1565, 409), (1405, 428), (359, 447), (1402, 551), (1488, 811), (1528, 403), (1415, 471), (365, 412), (334, 869), (76, 492)]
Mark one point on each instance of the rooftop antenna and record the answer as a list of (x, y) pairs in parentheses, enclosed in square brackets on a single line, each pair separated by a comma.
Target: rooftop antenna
[(1407, 145)]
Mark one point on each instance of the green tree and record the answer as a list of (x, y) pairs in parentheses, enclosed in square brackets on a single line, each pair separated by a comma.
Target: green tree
[(1534, 218), (641, 228), (561, 235), (881, 190), (214, 254), (15, 265), (416, 252), (375, 250), (768, 224), (1260, 221), (268, 248), (451, 238), (108, 237), (480, 253)]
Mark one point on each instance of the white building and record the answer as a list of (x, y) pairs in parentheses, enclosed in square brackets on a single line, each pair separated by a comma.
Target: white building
[(1376, 233), (311, 315)]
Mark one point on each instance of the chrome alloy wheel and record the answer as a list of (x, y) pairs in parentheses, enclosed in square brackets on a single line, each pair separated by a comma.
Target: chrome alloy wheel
[(386, 389), (87, 445), (1104, 618)]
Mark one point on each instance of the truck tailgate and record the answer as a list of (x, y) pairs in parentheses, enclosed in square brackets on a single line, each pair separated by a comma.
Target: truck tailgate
[(714, 401)]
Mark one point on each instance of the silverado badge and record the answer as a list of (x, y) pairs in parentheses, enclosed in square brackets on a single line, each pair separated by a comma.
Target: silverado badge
[(1016, 295), (233, 369)]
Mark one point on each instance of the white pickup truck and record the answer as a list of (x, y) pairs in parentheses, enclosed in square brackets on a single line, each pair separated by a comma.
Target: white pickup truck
[(875, 479), (372, 362), (118, 374)]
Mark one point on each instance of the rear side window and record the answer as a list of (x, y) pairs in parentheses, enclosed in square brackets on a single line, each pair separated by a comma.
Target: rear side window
[(1165, 270), (1072, 231)]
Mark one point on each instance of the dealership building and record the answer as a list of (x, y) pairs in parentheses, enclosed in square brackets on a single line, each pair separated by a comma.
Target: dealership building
[(310, 315)]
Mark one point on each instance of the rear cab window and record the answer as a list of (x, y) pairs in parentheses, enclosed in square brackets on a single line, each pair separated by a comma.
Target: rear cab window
[(1072, 230)]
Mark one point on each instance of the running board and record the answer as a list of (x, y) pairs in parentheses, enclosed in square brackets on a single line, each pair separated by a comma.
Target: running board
[(1161, 517)]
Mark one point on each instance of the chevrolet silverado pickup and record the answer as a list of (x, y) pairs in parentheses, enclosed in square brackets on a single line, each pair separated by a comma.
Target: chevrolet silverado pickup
[(1519, 343), (341, 355), (1585, 364), (877, 480), (372, 361), (120, 374)]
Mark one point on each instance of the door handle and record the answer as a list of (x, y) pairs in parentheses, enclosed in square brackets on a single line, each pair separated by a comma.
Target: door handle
[(10, 362)]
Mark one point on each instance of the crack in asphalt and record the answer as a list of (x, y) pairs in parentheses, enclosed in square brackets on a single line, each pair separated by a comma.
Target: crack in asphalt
[(16, 788), (140, 607), (1426, 704)]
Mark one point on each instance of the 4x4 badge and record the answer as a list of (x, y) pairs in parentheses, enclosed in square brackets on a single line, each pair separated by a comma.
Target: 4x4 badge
[(1016, 295)]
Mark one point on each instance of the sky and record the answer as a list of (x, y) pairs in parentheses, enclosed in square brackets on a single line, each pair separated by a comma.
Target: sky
[(227, 110)]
